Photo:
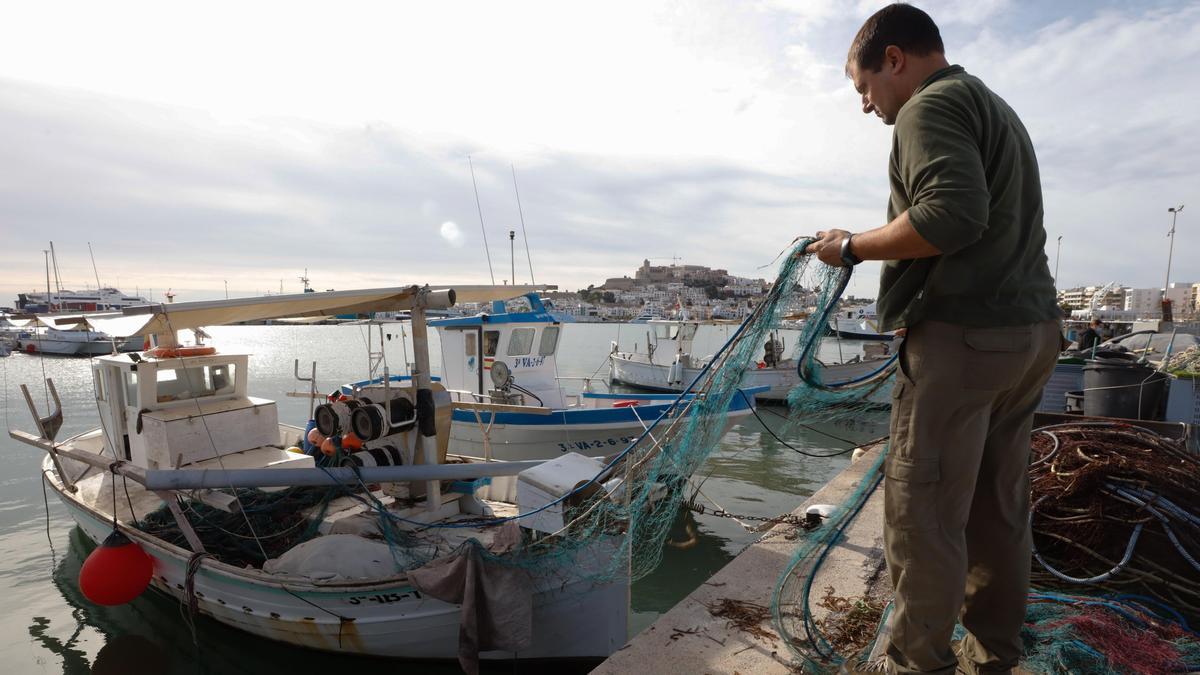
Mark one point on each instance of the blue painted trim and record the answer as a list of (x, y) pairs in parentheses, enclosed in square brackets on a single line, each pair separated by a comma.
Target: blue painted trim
[(639, 396), (348, 389), (663, 397), (596, 415)]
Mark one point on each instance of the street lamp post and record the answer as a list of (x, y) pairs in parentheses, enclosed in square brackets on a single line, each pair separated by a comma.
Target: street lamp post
[(1174, 211)]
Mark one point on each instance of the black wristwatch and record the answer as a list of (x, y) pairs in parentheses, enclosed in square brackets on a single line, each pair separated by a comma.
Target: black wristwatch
[(848, 256)]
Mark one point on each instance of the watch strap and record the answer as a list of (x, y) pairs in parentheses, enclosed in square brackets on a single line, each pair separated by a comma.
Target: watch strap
[(848, 256)]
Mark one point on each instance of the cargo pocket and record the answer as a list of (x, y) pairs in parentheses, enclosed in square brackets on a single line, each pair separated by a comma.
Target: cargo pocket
[(910, 493), (996, 358), (898, 431)]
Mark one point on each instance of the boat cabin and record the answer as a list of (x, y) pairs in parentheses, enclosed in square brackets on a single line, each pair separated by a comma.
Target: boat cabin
[(503, 356), (164, 413)]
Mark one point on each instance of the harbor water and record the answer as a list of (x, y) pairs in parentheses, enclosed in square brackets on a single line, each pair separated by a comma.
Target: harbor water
[(46, 626)]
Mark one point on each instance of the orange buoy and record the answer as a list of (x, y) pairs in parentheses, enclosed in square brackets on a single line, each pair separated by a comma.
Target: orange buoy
[(351, 442), (116, 572), (315, 437), (327, 447)]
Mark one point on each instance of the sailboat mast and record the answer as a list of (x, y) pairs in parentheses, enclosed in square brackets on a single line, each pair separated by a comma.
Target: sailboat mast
[(521, 213), (57, 279), (481, 227), (94, 270), (46, 253)]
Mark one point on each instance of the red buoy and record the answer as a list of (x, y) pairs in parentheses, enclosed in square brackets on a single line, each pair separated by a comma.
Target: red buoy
[(116, 572)]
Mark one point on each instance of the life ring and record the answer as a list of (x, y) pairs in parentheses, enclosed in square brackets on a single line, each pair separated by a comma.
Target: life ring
[(176, 352)]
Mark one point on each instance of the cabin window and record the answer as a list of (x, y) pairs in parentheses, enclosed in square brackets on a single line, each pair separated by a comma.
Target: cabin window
[(100, 393), (131, 388), (521, 341), (549, 340), (188, 383), (470, 344), (491, 340)]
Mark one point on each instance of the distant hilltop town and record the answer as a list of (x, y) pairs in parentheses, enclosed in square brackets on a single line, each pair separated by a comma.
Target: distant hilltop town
[(1114, 302), (662, 291)]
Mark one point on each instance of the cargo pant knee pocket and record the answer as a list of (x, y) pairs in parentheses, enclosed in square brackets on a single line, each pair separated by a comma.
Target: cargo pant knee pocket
[(910, 496)]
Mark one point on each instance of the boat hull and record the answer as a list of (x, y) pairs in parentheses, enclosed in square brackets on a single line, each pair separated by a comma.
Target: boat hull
[(389, 618), (595, 432), (779, 381)]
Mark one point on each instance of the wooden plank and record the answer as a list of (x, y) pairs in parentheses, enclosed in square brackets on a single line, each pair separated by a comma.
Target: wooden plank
[(136, 473)]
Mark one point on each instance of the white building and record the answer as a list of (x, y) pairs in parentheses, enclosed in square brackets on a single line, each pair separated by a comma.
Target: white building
[(1145, 303)]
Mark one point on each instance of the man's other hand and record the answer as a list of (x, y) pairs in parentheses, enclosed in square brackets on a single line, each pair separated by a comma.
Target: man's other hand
[(828, 247)]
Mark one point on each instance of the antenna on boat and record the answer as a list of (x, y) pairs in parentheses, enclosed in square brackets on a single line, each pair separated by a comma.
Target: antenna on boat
[(94, 270), (512, 256), (481, 227), (521, 213)]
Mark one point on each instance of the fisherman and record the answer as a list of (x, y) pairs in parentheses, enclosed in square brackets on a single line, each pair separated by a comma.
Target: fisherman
[(1091, 337), (965, 276)]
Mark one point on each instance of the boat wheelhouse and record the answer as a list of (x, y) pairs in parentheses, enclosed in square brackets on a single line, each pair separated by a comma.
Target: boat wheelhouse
[(509, 358)]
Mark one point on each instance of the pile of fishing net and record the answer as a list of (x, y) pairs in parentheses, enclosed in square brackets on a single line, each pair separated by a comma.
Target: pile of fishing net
[(1131, 635), (268, 524), (1116, 508), (1185, 363)]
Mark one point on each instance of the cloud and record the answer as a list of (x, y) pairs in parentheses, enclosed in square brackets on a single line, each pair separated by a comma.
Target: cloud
[(450, 232), (716, 132)]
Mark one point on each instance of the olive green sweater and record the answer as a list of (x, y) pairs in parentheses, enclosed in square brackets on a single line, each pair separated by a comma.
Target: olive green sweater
[(964, 168)]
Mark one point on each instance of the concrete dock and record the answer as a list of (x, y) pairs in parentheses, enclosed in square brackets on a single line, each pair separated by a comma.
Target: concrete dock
[(691, 639)]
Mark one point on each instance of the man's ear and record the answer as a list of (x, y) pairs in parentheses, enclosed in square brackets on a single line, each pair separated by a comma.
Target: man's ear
[(893, 59)]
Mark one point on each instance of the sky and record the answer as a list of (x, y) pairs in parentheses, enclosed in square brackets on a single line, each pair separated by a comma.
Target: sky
[(221, 145)]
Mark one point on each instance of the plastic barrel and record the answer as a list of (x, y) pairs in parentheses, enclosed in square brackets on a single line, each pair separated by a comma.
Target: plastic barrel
[(1115, 385)]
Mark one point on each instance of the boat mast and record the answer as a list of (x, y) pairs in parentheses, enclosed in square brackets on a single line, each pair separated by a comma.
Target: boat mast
[(481, 227), (46, 253), (524, 236), (94, 270), (57, 279)]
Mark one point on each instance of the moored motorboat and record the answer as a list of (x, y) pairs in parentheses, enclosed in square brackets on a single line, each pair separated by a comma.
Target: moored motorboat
[(346, 569), (507, 361), (668, 364)]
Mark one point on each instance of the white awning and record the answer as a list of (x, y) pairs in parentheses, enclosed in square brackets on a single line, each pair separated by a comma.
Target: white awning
[(169, 318)]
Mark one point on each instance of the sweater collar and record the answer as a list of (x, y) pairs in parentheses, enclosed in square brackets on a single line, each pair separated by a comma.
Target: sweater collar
[(939, 75)]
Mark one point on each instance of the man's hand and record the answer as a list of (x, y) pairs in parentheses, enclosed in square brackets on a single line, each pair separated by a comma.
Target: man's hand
[(828, 247)]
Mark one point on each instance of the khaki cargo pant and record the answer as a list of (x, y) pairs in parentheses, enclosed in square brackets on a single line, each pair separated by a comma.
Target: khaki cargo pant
[(956, 491)]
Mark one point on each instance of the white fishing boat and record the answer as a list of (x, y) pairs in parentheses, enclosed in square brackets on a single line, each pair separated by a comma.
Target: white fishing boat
[(858, 323), (508, 361), (668, 364), (46, 338), (180, 433)]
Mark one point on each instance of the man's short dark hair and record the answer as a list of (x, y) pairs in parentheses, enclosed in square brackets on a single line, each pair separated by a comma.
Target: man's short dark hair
[(901, 25)]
